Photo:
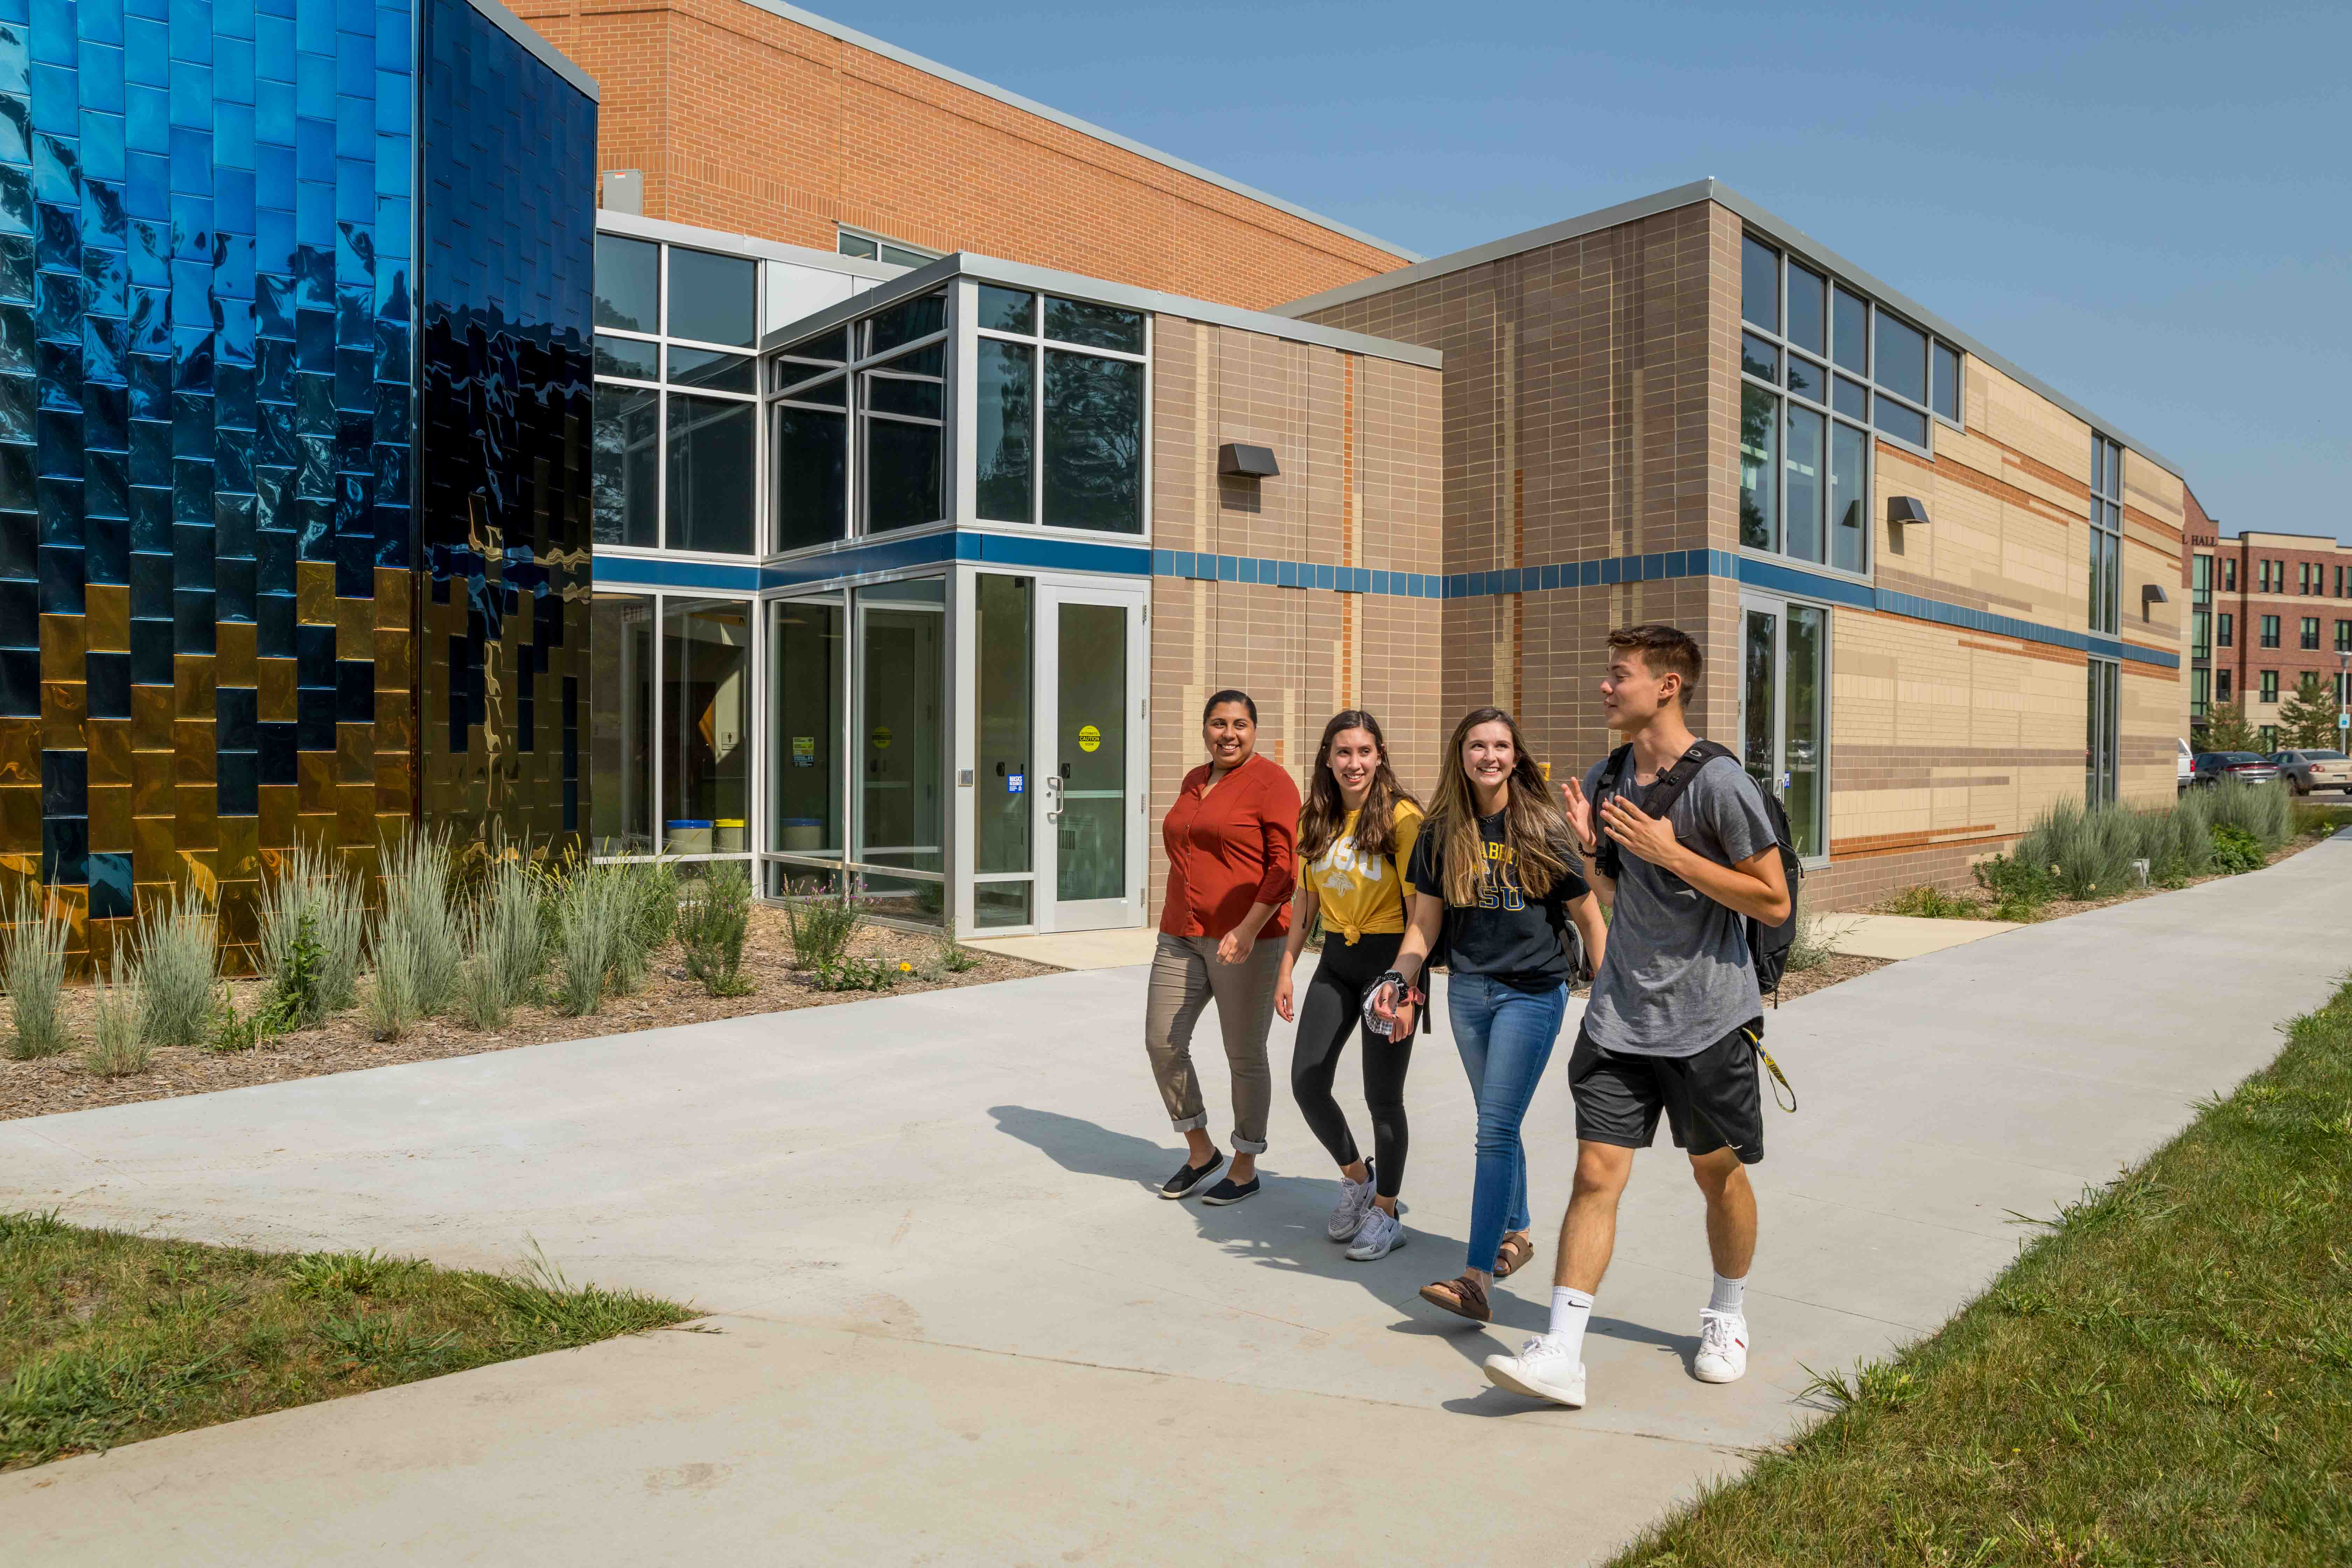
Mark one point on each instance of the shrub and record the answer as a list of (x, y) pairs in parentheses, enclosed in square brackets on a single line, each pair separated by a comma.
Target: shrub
[(2264, 812), (310, 885), (592, 911), (2315, 820), (2236, 850), (177, 971), (390, 1003), (416, 907), (115, 1050), (947, 958), (1811, 947), (821, 924), (2018, 887), (711, 925), (33, 969), (1927, 903), (846, 973)]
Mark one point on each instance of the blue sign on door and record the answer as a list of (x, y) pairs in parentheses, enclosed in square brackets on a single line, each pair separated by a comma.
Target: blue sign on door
[(1016, 783)]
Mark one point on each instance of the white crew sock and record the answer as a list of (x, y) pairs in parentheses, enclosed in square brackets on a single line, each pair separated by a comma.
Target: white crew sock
[(1571, 1311), (1728, 1296)]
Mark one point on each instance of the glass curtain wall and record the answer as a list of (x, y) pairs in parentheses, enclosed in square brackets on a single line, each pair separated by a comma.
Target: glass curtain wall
[(857, 746), (1003, 861), (2105, 595), (1784, 713), (675, 438), (2101, 691), (670, 701), (1822, 367)]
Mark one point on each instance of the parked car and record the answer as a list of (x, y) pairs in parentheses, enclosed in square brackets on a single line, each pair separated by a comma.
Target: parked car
[(2246, 767), (2188, 770), (2309, 770)]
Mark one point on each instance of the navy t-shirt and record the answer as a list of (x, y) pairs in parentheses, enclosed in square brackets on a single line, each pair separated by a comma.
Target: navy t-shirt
[(1504, 934)]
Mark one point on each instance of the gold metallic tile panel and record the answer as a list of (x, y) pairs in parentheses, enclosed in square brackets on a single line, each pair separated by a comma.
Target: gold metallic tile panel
[(110, 818), (193, 680), (239, 856), (152, 785), (277, 684), (354, 812), (314, 777), (393, 652), (20, 752), (395, 593), (110, 751), (20, 820), (317, 829), (393, 732), (107, 609), (354, 753), (197, 825), (354, 627), (314, 592), (155, 854), (151, 718), (278, 811), (64, 705), (234, 644), (63, 642), (195, 752)]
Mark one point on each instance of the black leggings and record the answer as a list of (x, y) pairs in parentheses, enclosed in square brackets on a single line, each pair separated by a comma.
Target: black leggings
[(1332, 1011)]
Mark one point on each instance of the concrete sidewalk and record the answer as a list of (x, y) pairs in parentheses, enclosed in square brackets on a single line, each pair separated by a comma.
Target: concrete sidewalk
[(960, 1329)]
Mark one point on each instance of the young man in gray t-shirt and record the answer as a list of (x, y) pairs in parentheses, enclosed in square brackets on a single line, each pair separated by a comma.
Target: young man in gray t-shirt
[(1667, 1032)]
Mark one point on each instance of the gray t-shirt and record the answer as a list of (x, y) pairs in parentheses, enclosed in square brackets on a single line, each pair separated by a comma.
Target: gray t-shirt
[(1677, 977)]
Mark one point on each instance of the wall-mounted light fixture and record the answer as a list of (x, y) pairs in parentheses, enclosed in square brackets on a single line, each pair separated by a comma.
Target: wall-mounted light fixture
[(2152, 593), (1246, 461), (1903, 510)]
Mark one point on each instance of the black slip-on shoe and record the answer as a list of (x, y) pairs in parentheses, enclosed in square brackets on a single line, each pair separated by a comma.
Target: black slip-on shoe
[(1225, 1192), (1189, 1177)]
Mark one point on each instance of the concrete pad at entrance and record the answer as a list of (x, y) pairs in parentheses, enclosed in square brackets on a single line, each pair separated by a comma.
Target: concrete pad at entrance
[(1903, 936), (949, 1195), (1075, 949)]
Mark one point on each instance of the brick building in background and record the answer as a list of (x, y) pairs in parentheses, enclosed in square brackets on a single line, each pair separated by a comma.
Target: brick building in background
[(2282, 609), (757, 118)]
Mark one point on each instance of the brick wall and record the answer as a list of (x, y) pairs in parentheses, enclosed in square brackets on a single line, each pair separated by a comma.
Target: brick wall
[(746, 121), (2291, 555), (1357, 442)]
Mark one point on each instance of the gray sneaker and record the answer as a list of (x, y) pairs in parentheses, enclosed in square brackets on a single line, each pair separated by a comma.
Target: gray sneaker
[(1355, 1200), (1382, 1234)]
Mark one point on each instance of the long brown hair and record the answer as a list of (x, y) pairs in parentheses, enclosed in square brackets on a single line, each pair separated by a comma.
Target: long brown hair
[(1535, 827), (1327, 812)]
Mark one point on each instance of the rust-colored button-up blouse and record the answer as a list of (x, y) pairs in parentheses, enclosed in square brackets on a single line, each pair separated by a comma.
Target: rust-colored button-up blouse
[(1230, 850)]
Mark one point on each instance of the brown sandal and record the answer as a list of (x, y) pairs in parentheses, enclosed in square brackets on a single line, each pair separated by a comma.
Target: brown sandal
[(1513, 1255), (1464, 1298)]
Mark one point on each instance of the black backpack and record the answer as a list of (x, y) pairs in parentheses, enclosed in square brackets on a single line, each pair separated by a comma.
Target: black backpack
[(1767, 945)]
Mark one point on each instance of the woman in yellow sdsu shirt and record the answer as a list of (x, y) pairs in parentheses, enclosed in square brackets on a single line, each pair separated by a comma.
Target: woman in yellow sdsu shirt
[(1355, 836)]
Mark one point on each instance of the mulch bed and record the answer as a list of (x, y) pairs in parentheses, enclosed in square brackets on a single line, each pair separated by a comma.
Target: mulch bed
[(2057, 908), (1837, 966), (344, 1044)]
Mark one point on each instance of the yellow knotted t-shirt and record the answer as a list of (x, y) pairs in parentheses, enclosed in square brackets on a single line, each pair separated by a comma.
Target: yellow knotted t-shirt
[(1363, 895)]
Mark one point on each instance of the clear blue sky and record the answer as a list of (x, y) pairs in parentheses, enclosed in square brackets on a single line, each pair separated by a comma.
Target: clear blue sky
[(2147, 207)]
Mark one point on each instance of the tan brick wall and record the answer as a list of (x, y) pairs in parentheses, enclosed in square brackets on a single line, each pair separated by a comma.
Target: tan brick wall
[(1357, 440), (745, 121)]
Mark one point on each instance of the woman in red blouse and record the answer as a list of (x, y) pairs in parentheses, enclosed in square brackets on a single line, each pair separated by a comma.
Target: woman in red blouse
[(1229, 839)]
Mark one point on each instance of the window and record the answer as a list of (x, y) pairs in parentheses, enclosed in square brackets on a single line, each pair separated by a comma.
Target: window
[(2344, 637), (2270, 631), (2101, 687), (2200, 685), (873, 248), (2226, 635), (2106, 515), (2221, 686), (1784, 714), (2269, 734), (669, 725), (1060, 424), (2339, 582), (2269, 686), (2310, 634), (676, 449), (1804, 429), (902, 412), (2302, 578), (2200, 634), (2230, 574)]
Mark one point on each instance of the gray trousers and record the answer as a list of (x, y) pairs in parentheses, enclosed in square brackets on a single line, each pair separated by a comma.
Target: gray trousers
[(1185, 977)]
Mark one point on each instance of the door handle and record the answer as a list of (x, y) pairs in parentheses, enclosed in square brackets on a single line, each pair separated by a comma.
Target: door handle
[(1053, 798)]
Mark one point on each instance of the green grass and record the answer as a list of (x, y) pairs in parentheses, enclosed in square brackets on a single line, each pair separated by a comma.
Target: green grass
[(107, 1339), (2163, 1377)]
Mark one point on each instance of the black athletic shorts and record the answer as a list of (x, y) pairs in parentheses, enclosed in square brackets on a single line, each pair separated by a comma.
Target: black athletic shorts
[(1711, 1099)]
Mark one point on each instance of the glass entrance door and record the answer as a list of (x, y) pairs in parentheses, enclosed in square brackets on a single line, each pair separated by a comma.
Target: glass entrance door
[(1090, 671), (1784, 712)]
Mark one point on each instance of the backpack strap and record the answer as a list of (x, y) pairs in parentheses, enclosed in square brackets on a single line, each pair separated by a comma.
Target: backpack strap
[(1605, 858), (1655, 801)]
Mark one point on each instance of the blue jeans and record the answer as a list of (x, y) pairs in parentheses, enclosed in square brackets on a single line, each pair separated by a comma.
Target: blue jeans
[(1505, 1036)]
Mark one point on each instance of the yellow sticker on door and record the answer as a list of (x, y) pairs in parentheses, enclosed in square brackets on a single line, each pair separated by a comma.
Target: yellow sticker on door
[(1089, 738), (881, 737)]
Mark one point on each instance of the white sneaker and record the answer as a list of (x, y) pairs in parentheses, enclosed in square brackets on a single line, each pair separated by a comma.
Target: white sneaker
[(1355, 1201), (1542, 1370), (1382, 1234), (1722, 1347)]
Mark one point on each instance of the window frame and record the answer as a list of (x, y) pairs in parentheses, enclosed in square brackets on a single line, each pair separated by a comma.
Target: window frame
[(2105, 510), (1040, 345), (661, 341), (2268, 685), (754, 728), (842, 232), (2270, 632)]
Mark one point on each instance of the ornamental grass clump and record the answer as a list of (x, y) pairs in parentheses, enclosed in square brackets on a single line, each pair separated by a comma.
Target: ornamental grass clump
[(2264, 813), (592, 907), (33, 969), (115, 1049), (2174, 842), (177, 973), (417, 911), (390, 1002), (310, 885), (505, 946), (2088, 851), (711, 925)]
